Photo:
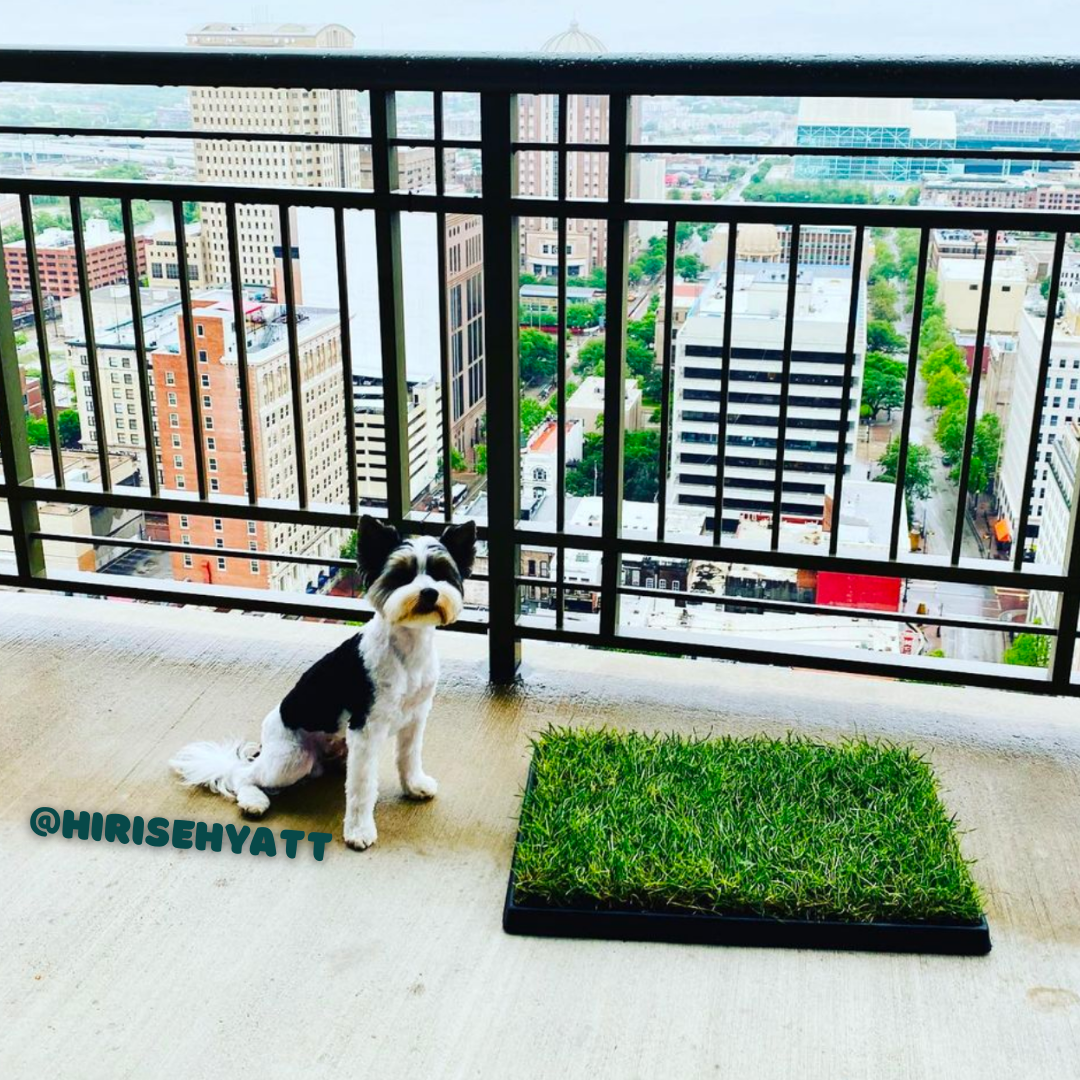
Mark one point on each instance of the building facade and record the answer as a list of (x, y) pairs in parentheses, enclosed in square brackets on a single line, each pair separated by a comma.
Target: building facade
[(815, 426), (960, 286), (1052, 550)]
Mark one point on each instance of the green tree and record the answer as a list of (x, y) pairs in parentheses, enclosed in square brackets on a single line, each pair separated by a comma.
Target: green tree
[(69, 429), (639, 358), (641, 452), (13, 232), (538, 354), (985, 454), (946, 358), (689, 267), (533, 413), (881, 337), (643, 329), (1029, 650), (526, 279), (480, 459), (37, 431), (883, 296), (589, 357), (675, 194), (597, 279), (944, 389), (581, 315), (883, 384), (918, 473), (683, 231), (950, 430)]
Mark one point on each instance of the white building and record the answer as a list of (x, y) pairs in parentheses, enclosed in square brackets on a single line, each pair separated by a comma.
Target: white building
[(1061, 396), (425, 435), (587, 404), (539, 462), (960, 283), (822, 300), (1052, 551)]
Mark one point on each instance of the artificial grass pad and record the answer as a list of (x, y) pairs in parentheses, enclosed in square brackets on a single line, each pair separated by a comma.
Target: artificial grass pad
[(854, 831)]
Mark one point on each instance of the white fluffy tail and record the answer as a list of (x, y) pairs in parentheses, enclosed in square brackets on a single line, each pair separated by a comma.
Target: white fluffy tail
[(217, 766)]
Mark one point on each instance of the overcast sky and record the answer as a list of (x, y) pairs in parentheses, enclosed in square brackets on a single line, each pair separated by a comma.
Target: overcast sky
[(1033, 27)]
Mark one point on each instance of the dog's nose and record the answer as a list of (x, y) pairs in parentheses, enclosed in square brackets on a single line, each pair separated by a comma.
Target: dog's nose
[(429, 596)]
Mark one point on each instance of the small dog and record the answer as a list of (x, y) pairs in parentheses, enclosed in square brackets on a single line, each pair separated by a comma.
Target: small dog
[(376, 684)]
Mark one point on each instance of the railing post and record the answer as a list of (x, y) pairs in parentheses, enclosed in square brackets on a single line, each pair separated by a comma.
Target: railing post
[(15, 446), (615, 363), (498, 112)]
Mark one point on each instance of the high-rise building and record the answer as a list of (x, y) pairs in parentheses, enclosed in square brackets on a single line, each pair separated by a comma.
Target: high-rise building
[(1052, 550), (875, 124), (465, 325), (265, 109), (1061, 408), (587, 117), (424, 435), (814, 426), (272, 423)]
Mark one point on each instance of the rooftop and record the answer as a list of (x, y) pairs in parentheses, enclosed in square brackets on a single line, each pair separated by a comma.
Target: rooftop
[(409, 933), (544, 438), (1010, 268)]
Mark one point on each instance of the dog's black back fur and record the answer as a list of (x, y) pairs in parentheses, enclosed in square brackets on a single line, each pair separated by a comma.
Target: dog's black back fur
[(337, 683)]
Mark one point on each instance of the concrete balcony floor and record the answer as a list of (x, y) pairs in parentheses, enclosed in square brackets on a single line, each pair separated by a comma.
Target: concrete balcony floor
[(122, 961)]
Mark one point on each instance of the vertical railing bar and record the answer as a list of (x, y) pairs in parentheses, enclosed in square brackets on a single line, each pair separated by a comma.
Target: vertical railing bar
[(191, 349), (18, 467), (43, 341), (440, 149), (560, 323), (1040, 395), (444, 314), (384, 171), (909, 394), (346, 354), (296, 377), (499, 115), (614, 364), (666, 454), (141, 363), (973, 403), (785, 385), (240, 328), (725, 381), (845, 398), (90, 339), (1063, 646), (445, 368)]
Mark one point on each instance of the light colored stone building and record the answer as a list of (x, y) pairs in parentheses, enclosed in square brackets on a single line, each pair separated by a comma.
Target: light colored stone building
[(587, 404), (960, 283)]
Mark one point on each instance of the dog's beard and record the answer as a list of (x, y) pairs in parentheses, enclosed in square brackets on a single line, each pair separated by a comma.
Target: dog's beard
[(404, 607)]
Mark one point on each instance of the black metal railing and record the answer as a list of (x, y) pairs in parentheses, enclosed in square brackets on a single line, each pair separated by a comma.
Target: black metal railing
[(499, 205)]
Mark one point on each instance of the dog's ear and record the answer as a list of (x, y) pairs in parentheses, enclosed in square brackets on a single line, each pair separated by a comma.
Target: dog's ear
[(460, 541), (374, 543)]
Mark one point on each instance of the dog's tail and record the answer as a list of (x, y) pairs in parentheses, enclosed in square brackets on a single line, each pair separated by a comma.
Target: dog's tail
[(218, 766)]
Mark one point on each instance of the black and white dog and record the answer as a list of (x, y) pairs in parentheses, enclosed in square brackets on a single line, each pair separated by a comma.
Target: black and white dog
[(376, 684)]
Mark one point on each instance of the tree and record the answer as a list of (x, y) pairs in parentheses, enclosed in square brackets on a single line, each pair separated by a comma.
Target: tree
[(533, 413), (641, 452), (68, 429), (985, 453), (537, 353), (883, 297), (589, 357), (597, 279), (1029, 650), (639, 358), (644, 329), (581, 315), (652, 385), (526, 279), (881, 337), (950, 430), (883, 384), (13, 232), (683, 231), (480, 459), (918, 471), (944, 389), (37, 431), (946, 358), (651, 265), (675, 194), (689, 267)]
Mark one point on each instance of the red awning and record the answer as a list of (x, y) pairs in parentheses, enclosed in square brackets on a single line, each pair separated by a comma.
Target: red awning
[(1001, 531)]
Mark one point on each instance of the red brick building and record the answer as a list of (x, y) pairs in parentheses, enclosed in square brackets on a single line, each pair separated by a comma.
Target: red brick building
[(106, 260)]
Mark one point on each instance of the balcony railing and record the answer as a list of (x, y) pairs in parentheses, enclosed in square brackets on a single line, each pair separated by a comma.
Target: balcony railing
[(623, 81)]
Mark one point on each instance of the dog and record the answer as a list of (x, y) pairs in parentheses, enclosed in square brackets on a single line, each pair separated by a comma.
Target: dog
[(378, 683)]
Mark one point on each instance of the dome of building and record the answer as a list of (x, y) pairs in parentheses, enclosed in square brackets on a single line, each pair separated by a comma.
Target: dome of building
[(574, 40), (758, 243)]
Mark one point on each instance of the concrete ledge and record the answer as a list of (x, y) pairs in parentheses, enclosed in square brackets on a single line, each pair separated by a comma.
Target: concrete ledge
[(137, 962)]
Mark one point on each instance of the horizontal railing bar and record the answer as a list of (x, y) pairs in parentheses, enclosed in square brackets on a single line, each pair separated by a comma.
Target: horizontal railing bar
[(1033, 153), (794, 607), (936, 670), (806, 214), (167, 547), (313, 606), (964, 574), (235, 507), (1053, 77)]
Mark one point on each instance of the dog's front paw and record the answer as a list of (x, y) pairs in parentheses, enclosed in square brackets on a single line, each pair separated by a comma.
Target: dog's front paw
[(362, 836), (421, 786)]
